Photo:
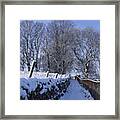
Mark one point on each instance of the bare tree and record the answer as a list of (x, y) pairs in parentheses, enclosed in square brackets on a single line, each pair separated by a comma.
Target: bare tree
[(30, 41), (25, 36), (60, 34), (87, 53)]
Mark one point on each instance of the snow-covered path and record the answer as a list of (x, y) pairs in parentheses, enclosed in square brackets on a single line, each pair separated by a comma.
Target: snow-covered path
[(76, 92)]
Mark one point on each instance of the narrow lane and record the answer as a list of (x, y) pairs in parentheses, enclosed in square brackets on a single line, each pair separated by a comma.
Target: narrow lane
[(76, 92)]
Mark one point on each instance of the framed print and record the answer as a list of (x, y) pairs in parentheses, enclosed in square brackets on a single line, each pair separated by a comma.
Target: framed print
[(59, 59)]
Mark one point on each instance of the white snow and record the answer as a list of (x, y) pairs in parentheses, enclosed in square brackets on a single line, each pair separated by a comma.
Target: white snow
[(42, 75), (76, 92), (23, 92), (95, 81), (31, 84)]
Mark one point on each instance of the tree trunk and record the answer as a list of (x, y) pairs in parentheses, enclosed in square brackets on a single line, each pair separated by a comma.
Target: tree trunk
[(32, 68), (48, 62), (47, 73), (56, 75), (28, 65)]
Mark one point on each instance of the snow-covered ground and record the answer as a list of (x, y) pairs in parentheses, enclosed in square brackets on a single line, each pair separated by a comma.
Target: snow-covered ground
[(42, 75), (76, 92), (39, 85)]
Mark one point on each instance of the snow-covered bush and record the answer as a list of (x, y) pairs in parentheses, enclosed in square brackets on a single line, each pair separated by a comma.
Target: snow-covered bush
[(42, 89)]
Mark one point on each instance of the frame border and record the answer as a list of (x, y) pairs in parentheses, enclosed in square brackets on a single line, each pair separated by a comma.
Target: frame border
[(61, 2)]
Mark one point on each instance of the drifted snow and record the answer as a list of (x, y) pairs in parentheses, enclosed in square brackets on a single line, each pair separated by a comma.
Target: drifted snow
[(76, 92)]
